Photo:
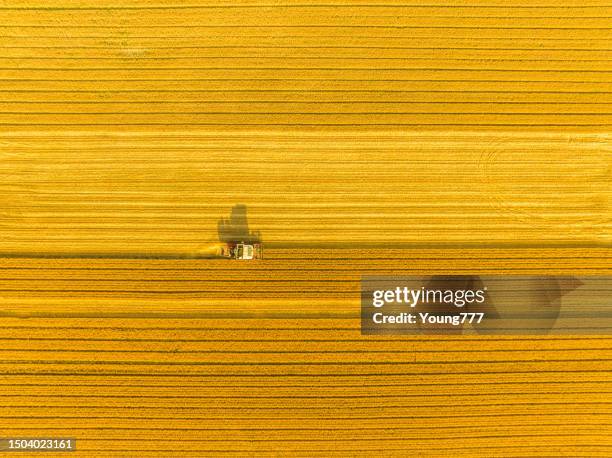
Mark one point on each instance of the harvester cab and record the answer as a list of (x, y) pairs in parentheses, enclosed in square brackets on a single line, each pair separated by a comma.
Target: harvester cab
[(243, 250)]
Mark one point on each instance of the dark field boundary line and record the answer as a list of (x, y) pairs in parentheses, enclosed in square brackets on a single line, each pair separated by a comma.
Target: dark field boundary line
[(305, 5), (331, 452), (281, 352), (344, 113), (305, 102), (408, 338), (145, 124), (93, 91), (334, 15), (280, 252), (263, 429), (278, 37), (295, 26), (334, 451), (371, 385), (17, 362), (322, 315), (225, 315), (297, 374), (114, 47), (461, 338), (353, 269), (258, 68), (357, 396), (369, 439), (303, 58), (280, 294), (92, 163), (238, 46), (463, 48), (296, 113), (373, 417), (398, 37), (179, 257), (352, 113), (356, 270), (365, 407), (394, 178), (311, 80), (233, 279), (328, 245)]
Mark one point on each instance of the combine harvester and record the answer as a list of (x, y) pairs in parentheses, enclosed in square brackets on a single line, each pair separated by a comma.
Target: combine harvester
[(237, 241), (231, 250), (241, 250)]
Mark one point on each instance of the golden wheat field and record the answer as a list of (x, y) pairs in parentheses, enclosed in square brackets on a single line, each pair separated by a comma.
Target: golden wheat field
[(362, 137)]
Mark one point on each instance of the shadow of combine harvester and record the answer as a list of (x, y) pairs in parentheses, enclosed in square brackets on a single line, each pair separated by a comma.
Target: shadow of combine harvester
[(236, 227), (236, 240)]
